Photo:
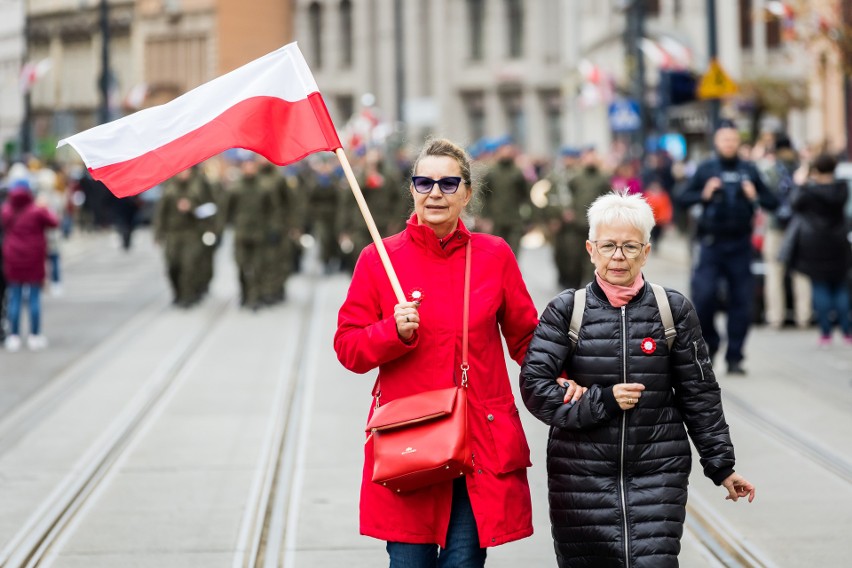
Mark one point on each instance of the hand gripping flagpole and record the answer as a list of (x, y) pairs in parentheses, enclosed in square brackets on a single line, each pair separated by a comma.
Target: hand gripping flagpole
[(371, 224)]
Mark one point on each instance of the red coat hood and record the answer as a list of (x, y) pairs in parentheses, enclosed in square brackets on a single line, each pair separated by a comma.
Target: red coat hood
[(19, 199)]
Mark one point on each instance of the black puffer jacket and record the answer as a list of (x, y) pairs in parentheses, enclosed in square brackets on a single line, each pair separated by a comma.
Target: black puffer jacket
[(617, 479)]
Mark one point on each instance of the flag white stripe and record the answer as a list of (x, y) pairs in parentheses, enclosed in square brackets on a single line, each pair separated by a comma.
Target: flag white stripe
[(149, 129)]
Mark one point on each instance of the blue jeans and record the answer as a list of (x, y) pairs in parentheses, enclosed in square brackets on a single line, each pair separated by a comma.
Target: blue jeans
[(830, 296), (16, 294), (53, 260), (462, 550), (729, 261)]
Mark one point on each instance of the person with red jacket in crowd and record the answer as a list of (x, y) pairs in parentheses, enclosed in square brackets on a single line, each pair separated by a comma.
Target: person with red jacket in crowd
[(24, 255), (417, 347)]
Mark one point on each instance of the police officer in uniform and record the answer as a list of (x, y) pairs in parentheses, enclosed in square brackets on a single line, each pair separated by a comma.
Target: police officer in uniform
[(729, 191)]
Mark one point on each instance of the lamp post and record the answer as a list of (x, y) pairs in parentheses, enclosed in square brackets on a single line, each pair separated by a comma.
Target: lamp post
[(105, 78), (712, 55)]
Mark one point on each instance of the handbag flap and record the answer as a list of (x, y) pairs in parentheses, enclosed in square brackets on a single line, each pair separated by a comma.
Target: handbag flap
[(413, 409)]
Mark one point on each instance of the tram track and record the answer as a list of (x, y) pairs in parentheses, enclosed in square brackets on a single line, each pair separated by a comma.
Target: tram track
[(269, 528), (43, 528), (720, 540)]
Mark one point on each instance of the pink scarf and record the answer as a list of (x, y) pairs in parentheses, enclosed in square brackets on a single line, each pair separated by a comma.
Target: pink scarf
[(619, 295)]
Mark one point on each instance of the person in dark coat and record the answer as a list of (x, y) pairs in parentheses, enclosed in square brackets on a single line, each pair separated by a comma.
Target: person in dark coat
[(618, 460), (24, 257), (819, 245)]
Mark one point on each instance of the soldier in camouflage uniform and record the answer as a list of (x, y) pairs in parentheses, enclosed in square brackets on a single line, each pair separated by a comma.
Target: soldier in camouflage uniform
[(279, 247), (252, 207), (588, 184), (179, 230), (381, 184), (506, 198), (324, 196), (558, 215)]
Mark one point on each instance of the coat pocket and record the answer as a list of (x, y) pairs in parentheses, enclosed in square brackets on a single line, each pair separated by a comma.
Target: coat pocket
[(505, 440)]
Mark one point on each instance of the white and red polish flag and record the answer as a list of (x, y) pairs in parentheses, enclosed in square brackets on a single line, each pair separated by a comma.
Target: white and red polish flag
[(271, 106)]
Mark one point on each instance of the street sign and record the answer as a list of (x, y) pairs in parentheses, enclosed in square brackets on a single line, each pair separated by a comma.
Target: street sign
[(716, 83), (624, 116)]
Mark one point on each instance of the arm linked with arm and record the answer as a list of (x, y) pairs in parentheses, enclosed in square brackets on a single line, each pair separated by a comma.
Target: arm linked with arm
[(546, 356)]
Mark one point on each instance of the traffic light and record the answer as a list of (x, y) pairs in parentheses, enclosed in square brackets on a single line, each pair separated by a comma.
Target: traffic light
[(678, 87)]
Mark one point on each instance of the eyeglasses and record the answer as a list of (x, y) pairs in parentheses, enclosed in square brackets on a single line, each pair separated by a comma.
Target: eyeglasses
[(628, 249), (423, 184)]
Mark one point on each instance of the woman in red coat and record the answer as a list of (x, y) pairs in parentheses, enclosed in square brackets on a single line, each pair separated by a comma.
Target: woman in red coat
[(24, 257), (417, 347)]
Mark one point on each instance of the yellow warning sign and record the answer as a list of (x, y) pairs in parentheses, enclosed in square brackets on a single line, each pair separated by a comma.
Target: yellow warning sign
[(716, 83)]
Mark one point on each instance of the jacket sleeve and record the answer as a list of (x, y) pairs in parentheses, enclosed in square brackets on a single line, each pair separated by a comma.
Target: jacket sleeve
[(365, 338), (691, 194), (765, 196), (546, 357), (517, 314), (698, 395)]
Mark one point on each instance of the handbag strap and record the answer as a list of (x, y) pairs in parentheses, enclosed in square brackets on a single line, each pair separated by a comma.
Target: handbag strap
[(377, 389), (466, 316)]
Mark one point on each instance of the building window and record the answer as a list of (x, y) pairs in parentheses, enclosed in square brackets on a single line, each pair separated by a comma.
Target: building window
[(476, 17), (513, 110), (474, 106), (345, 108), (315, 19), (346, 33), (515, 22), (652, 8), (746, 37), (773, 32), (551, 101)]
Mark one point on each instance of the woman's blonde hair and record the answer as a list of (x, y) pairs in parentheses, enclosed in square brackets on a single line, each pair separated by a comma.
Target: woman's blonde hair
[(620, 206)]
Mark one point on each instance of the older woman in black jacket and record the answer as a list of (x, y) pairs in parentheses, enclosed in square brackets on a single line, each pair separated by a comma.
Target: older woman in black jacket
[(618, 460)]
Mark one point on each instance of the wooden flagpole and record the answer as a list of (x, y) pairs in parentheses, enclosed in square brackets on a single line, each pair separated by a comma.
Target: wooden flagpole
[(371, 225)]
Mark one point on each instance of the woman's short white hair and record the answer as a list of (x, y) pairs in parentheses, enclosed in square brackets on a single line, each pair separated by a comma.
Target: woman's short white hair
[(620, 207)]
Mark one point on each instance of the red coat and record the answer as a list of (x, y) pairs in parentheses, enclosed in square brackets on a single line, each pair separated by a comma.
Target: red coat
[(366, 338), (24, 243)]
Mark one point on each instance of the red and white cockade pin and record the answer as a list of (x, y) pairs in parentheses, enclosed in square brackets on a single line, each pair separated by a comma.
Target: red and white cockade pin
[(416, 295), (648, 346)]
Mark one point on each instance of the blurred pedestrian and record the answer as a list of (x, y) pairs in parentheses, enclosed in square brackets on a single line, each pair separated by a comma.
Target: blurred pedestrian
[(618, 460), (416, 347), (126, 212), (49, 189), (24, 253), (506, 199), (818, 246), (3, 196), (661, 204), (779, 168), (729, 190)]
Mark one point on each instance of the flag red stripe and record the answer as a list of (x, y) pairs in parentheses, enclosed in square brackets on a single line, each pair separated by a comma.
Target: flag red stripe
[(280, 130)]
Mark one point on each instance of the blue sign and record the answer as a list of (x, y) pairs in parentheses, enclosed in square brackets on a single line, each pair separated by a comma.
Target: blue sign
[(624, 116), (675, 145)]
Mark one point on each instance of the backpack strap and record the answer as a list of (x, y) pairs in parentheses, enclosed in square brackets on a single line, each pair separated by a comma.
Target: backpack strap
[(577, 315), (665, 313), (662, 304)]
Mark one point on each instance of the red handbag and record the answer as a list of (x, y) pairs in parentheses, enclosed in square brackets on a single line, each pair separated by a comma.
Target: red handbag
[(422, 439)]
